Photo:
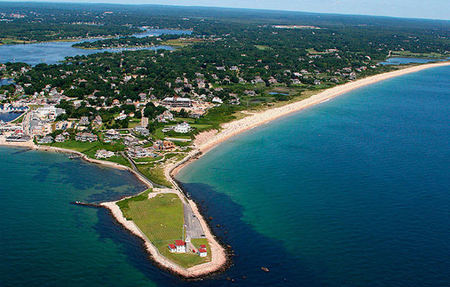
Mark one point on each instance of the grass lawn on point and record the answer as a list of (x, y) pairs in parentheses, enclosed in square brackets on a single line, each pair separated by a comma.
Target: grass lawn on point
[(161, 219)]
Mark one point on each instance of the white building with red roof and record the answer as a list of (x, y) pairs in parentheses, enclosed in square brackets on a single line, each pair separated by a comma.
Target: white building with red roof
[(172, 248), (202, 251), (180, 246)]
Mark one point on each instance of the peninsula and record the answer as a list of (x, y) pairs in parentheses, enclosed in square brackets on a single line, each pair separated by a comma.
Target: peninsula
[(152, 112)]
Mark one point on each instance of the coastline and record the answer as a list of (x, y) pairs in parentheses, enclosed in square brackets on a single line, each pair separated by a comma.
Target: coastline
[(233, 128), (219, 259)]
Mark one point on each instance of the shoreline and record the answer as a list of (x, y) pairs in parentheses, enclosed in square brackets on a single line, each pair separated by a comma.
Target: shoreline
[(237, 127), (220, 257)]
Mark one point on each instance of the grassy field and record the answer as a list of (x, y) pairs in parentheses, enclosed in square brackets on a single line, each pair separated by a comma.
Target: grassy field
[(161, 220), (90, 149), (181, 42), (19, 120), (409, 54), (154, 173)]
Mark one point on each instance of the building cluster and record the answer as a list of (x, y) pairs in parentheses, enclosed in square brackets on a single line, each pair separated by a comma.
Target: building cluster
[(181, 246)]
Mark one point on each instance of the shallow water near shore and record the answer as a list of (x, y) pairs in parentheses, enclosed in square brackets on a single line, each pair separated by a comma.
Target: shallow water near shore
[(352, 192)]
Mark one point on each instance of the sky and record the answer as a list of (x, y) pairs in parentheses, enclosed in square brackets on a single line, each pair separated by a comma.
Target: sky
[(432, 9)]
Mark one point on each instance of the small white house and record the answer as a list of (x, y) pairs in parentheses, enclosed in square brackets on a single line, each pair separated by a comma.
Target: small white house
[(172, 248), (217, 100), (202, 252)]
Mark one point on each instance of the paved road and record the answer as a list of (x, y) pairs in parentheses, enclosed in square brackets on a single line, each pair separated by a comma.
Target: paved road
[(134, 167), (193, 226)]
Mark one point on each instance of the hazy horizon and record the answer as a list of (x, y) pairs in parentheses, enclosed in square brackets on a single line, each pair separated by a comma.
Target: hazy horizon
[(433, 9)]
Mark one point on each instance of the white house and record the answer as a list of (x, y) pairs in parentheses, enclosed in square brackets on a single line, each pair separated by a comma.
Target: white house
[(182, 128), (181, 246), (217, 100), (202, 252), (172, 248)]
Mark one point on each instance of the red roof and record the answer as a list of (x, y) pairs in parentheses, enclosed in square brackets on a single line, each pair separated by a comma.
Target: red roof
[(202, 250), (171, 246), (180, 243), (203, 246)]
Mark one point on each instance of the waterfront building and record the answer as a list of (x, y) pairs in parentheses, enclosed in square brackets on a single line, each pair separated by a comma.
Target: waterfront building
[(45, 140), (172, 248), (86, 137), (202, 252), (180, 246), (60, 138), (101, 153), (139, 152)]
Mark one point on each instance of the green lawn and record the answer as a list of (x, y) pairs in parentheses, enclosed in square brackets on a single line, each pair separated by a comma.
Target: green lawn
[(409, 54), (90, 149), (161, 219), (147, 159), (155, 174)]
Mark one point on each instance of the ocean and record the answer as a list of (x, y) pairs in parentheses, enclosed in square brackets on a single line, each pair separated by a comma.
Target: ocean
[(351, 192)]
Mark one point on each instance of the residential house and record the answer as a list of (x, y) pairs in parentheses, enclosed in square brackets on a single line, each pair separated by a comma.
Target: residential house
[(139, 152), (84, 121), (60, 138), (182, 128), (142, 131), (45, 140), (217, 100), (86, 137), (112, 135), (165, 117), (102, 153), (164, 145)]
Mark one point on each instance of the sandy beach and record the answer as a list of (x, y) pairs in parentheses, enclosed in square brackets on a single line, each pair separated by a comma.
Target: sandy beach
[(234, 128)]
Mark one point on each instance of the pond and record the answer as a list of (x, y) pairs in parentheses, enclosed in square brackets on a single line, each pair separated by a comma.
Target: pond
[(56, 51)]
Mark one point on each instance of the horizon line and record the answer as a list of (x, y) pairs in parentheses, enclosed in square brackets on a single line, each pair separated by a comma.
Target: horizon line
[(218, 7)]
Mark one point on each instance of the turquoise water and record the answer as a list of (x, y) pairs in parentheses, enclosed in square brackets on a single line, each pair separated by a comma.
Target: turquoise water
[(352, 192), (400, 60)]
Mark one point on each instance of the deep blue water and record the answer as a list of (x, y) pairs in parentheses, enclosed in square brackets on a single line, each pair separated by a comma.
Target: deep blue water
[(6, 117), (54, 52), (352, 192)]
